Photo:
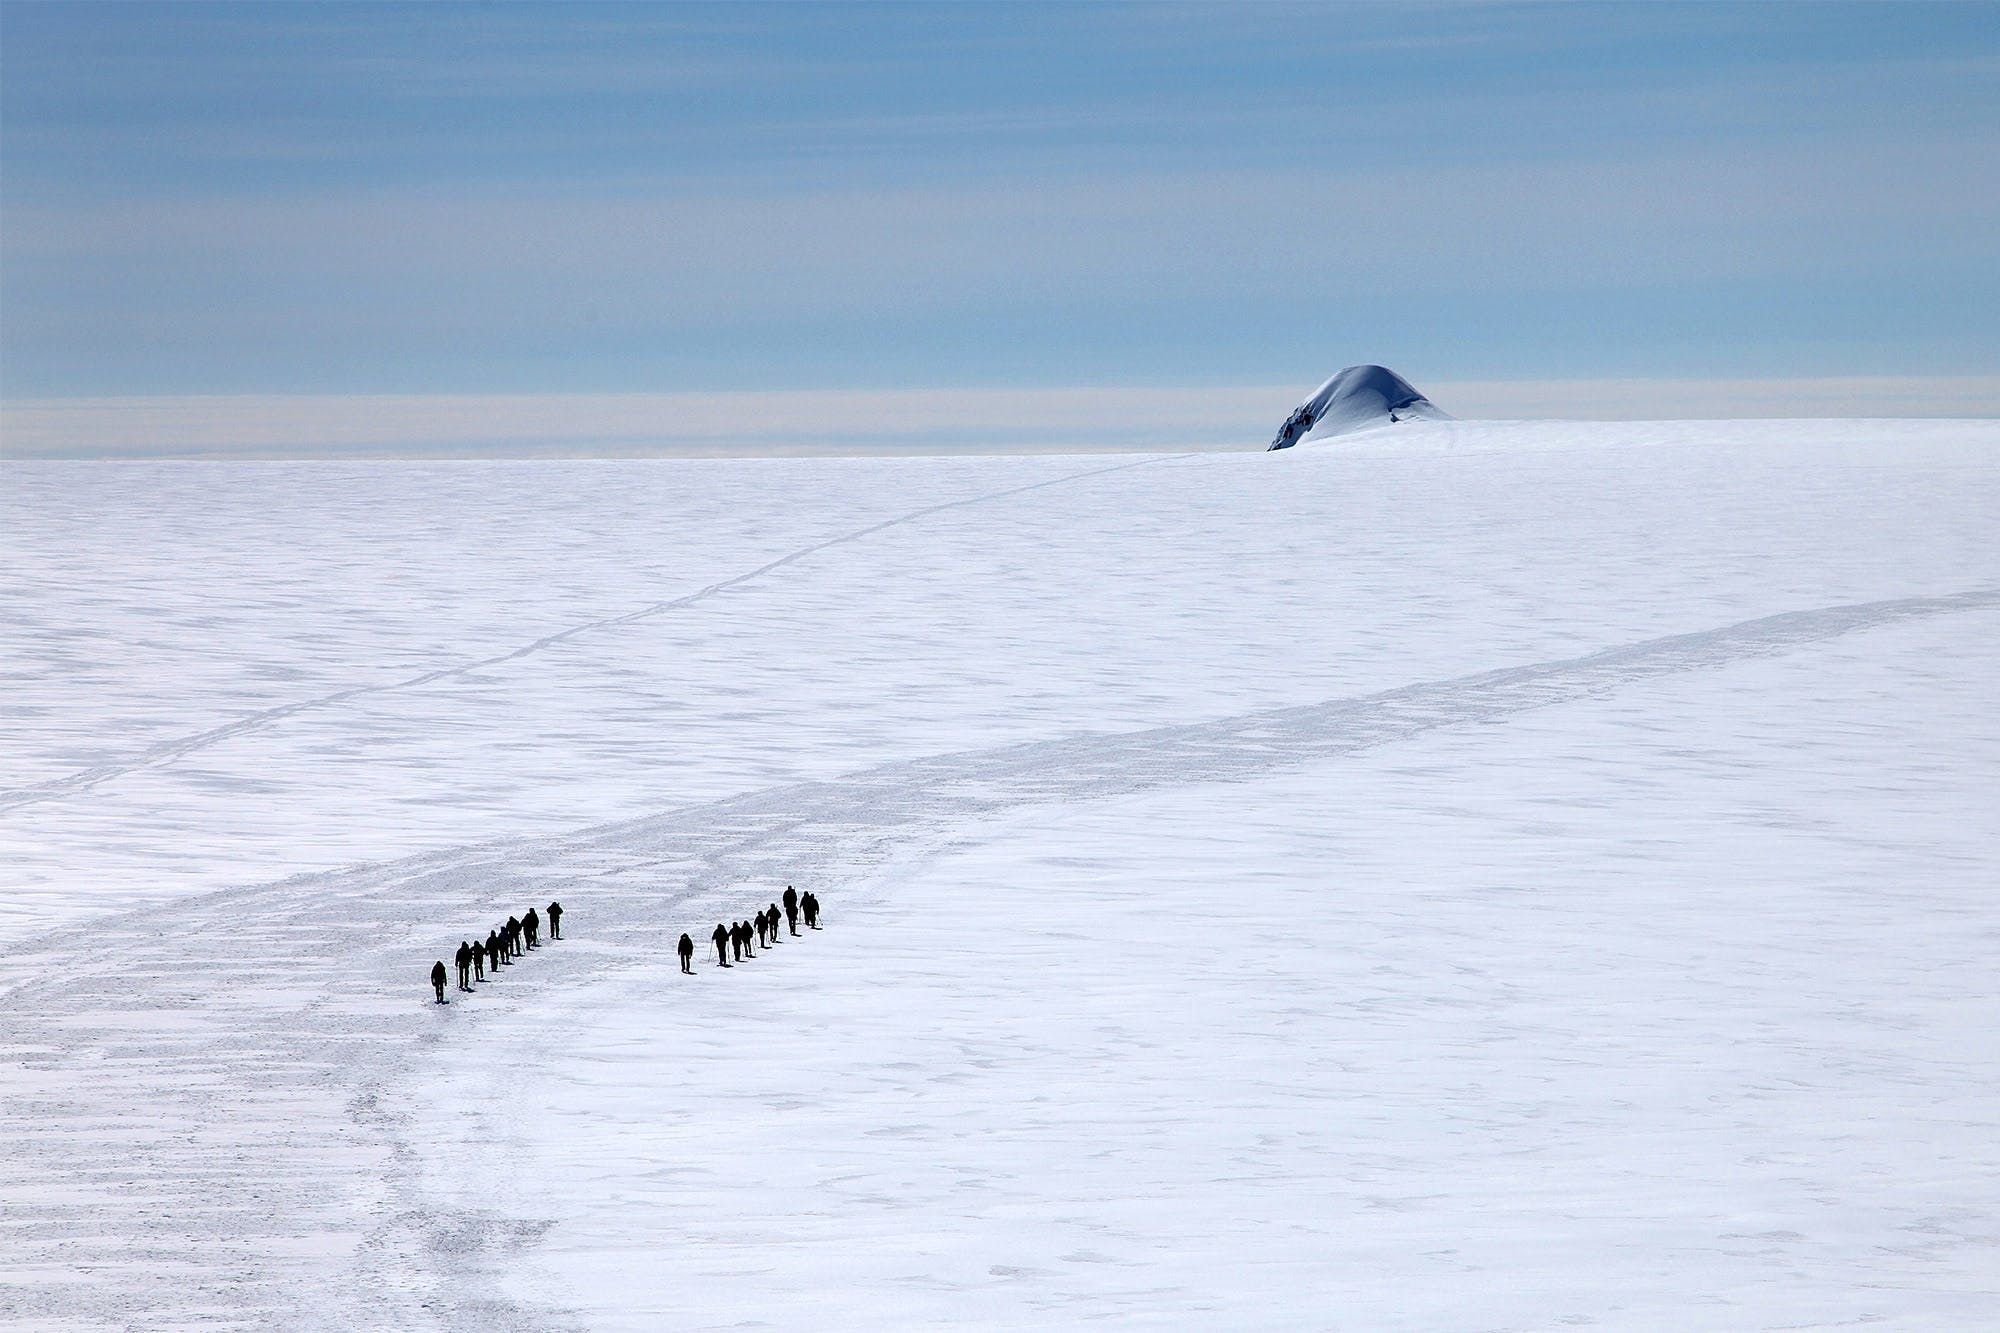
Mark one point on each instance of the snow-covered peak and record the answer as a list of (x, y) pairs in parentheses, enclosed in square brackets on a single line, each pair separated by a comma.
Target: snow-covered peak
[(1355, 399)]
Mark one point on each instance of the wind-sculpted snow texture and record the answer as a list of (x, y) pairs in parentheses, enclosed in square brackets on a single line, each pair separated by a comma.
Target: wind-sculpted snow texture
[(1357, 398), (1455, 702), (177, 747)]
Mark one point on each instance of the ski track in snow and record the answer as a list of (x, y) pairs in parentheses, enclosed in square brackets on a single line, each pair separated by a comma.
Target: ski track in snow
[(201, 1098), (166, 752)]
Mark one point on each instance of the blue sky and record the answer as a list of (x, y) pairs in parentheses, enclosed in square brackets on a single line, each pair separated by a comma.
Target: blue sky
[(478, 199)]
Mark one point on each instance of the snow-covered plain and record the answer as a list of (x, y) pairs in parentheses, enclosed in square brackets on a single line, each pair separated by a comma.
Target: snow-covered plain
[(1470, 875)]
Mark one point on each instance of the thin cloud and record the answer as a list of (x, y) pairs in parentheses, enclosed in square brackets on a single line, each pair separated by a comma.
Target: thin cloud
[(606, 198)]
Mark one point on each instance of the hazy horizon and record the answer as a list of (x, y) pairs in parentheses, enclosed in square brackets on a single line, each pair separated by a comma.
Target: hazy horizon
[(870, 422)]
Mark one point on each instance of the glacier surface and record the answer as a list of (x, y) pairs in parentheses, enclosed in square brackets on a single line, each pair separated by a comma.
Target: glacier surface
[(1485, 875)]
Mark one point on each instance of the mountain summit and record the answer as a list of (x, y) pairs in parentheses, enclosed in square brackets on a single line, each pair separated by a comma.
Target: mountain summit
[(1355, 399)]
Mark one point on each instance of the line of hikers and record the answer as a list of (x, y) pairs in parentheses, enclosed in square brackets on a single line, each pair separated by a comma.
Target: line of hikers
[(508, 941), (502, 945), (745, 937)]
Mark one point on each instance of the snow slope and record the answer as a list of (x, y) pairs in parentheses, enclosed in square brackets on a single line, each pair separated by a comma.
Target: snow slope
[(1583, 1017), (1488, 875)]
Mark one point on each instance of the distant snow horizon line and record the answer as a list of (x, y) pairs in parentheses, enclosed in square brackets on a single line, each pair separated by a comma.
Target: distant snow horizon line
[(834, 422)]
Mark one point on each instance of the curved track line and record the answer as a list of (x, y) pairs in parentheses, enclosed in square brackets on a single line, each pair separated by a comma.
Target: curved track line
[(165, 752), (203, 1100)]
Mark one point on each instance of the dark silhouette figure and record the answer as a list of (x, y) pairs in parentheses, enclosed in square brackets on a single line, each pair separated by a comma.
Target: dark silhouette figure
[(555, 921), (762, 925), (464, 960), (771, 920), (513, 936), (478, 960), (791, 909), (531, 926), (721, 938), (494, 951), (687, 953), (438, 979), (812, 912), (740, 937)]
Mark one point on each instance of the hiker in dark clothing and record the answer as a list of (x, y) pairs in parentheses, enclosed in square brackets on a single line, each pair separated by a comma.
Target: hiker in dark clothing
[(721, 938), (513, 936), (438, 979), (531, 926), (791, 909), (493, 951), (743, 949), (763, 924), (771, 919), (687, 953), (812, 912), (478, 959), (464, 960), (555, 921)]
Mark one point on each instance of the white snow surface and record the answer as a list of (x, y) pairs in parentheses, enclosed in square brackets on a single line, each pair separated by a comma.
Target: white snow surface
[(1486, 876)]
